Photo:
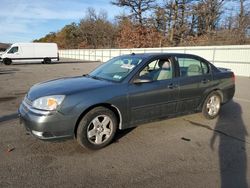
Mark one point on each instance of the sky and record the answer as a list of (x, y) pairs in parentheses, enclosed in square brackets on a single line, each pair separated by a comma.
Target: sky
[(26, 20)]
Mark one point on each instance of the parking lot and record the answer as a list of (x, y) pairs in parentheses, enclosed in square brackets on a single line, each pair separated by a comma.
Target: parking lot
[(186, 151)]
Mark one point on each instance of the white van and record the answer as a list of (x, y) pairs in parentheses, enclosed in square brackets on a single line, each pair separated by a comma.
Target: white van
[(27, 52)]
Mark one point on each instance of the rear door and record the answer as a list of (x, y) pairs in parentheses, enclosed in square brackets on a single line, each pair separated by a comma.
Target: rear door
[(154, 99), (194, 80)]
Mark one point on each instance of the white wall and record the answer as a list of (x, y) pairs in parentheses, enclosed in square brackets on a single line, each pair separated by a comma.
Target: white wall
[(236, 58)]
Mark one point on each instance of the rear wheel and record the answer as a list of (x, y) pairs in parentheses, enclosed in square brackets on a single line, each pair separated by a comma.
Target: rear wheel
[(97, 128), (7, 61), (211, 106), (46, 61)]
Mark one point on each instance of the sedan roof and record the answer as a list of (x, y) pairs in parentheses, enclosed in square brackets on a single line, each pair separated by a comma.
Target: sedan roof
[(146, 55)]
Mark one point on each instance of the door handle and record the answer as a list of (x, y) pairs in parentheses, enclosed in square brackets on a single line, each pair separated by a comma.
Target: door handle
[(204, 81), (172, 86)]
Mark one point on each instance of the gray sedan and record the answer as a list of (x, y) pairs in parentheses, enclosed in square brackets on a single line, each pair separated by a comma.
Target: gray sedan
[(124, 92)]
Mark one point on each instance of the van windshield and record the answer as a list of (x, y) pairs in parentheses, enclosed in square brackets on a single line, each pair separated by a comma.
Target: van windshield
[(13, 50)]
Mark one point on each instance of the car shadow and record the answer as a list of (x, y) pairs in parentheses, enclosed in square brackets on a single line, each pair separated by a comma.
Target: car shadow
[(121, 133), (231, 132)]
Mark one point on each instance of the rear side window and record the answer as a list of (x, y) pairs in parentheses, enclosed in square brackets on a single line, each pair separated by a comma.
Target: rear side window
[(13, 50), (192, 67)]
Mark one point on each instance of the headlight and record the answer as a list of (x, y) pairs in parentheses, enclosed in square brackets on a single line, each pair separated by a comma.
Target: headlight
[(48, 102)]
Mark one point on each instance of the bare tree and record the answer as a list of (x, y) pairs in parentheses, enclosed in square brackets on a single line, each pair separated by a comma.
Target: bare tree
[(179, 17), (242, 14), (208, 13), (95, 31), (138, 8), (239, 20), (159, 19)]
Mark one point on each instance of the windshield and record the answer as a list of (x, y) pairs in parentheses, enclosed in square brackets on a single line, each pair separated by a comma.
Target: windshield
[(117, 68), (13, 50)]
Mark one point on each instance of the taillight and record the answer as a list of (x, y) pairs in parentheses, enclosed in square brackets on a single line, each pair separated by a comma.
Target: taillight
[(233, 77)]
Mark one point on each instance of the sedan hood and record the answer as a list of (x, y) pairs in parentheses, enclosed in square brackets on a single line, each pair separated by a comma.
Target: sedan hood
[(65, 86)]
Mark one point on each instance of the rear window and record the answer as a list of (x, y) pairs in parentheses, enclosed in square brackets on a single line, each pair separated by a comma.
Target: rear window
[(192, 67)]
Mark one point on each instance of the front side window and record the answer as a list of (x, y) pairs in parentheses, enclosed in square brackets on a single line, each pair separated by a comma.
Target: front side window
[(117, 68), (160, 69), (13, 50), (192, 67)]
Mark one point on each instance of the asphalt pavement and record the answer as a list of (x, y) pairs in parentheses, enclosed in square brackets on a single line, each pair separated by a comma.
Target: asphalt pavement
[(186, 151)]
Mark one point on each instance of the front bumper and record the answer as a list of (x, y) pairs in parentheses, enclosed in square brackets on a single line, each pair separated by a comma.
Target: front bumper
[(46, 125)]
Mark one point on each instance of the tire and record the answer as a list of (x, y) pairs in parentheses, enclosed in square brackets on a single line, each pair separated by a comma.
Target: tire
[(97, 128), (7, 61), (211, 106), (46, 61)]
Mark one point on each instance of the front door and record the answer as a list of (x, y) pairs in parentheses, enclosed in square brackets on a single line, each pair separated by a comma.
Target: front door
[(157, 96), (14, 52)]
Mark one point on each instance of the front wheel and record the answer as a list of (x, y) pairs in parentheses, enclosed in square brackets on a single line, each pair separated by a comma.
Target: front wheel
[(97, 128), (211, 106), (7, 61)]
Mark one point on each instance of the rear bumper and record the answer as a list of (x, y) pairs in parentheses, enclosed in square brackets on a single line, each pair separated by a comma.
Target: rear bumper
[(228, 94), (51, 126)]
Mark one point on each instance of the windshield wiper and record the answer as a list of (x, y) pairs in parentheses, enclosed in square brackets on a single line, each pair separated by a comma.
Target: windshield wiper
[(94, 77)]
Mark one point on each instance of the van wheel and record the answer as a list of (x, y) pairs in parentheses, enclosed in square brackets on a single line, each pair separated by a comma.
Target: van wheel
[(97, 128), (46, 61), (211, 106), (7, 61)]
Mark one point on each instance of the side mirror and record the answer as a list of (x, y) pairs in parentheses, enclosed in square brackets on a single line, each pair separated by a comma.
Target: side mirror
[(142, 80)]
